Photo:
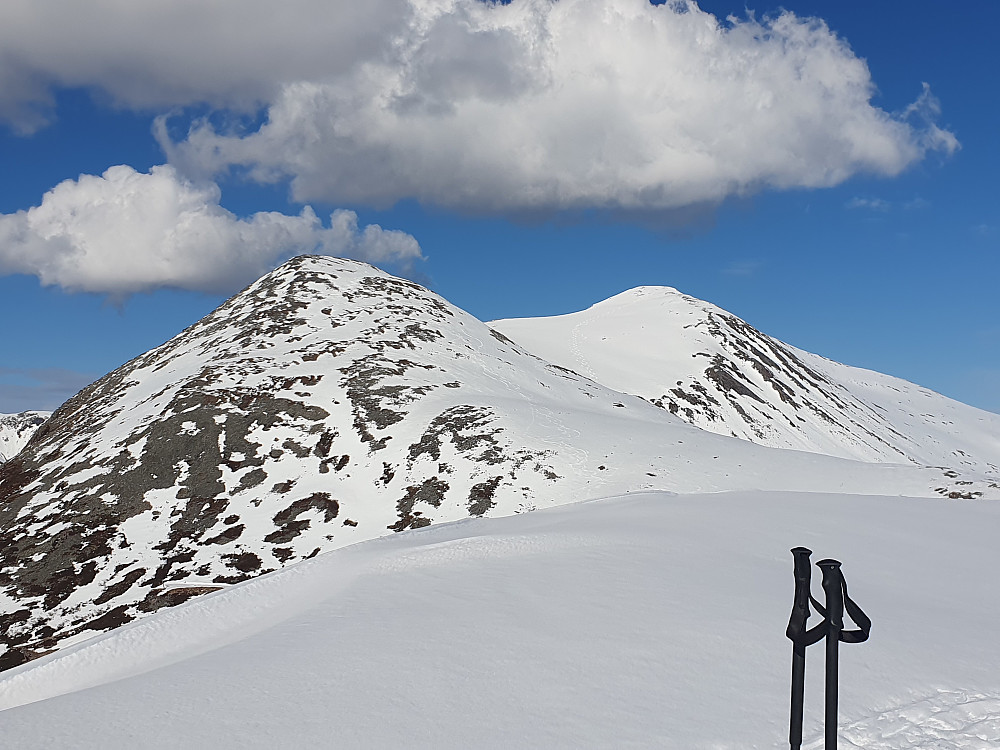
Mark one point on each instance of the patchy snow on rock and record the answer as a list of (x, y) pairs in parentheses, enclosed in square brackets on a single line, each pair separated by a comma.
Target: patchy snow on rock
[(331, 403)]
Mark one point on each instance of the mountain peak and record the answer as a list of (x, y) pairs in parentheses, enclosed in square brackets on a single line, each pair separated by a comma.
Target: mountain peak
[(719, 373), (647, 294), (327, 403)]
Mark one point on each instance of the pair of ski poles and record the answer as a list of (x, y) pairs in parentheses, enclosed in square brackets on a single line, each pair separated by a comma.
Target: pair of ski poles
[(832, 628)]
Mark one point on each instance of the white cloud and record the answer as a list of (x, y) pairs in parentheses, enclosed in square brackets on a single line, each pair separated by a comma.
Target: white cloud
[(872, 204), (578, 104), (883, 206), (127, 232), (923, 113), (162, 53), (532, 106)]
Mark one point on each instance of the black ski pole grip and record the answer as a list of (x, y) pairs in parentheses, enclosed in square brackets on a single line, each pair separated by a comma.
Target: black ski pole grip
[(796, 631), (800, 604)]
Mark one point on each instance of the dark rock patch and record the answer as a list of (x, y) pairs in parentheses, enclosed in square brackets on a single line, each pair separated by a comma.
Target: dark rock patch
[(467, 427), (481, 496), (251, 479), (291, 526), (387, 473), (228, 535), (283, 488), (430, 491), (324, 443), (246, 562), (113, 619), (117, 589), (300, 451)]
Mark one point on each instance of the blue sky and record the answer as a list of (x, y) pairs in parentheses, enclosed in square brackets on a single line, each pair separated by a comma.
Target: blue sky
[(861, 227)]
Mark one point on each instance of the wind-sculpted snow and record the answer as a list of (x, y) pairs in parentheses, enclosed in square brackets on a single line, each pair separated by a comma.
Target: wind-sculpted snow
[(648, 621), (717, 372), (327, 404), (16, 430)]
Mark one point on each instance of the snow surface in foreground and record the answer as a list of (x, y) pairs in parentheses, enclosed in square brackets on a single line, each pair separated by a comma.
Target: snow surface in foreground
[(650, 620)]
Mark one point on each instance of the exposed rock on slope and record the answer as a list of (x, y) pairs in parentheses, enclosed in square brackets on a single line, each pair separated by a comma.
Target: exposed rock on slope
[(17, 429), (717, 372), (326, 404)]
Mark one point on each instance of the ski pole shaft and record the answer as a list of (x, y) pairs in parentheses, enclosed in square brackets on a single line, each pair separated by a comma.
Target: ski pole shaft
[(798, 692), (796, 632), (832, 658), (833, 585)]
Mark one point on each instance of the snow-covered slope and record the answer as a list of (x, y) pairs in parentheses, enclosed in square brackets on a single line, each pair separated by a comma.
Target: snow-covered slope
[(652, 621), (719, 373), (327, 404), (17, 429)]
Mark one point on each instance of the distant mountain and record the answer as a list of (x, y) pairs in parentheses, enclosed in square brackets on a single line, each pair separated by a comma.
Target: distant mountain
[(16, 429), (716, 371), (326, 404)]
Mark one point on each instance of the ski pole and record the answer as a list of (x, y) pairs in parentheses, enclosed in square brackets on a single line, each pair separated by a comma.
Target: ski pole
[(832, 627), (833, 585), (796, 632)]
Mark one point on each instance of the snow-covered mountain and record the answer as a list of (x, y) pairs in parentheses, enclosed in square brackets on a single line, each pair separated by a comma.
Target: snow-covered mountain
[(327, 404), (16, 429), (715, 371)]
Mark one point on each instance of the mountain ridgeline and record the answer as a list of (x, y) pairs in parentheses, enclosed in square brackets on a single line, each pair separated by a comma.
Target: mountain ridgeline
[(330, 403)]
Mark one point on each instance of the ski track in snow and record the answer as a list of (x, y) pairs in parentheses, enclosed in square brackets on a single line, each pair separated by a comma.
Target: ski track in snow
[(948, 720), (577, 352)]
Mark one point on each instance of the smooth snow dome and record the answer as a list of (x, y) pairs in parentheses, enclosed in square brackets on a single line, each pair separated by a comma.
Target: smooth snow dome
[(651, 620), (717, 372)]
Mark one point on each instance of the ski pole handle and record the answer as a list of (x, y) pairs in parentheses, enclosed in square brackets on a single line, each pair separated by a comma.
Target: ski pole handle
[(800, 603)]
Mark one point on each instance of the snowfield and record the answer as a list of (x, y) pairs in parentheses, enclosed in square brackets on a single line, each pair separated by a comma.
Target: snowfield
[(647, 620), (395, 526)]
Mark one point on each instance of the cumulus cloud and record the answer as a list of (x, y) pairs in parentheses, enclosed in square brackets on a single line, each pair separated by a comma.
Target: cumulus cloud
[(578, 104), (127, 232), (161, 53), (535, 105)]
